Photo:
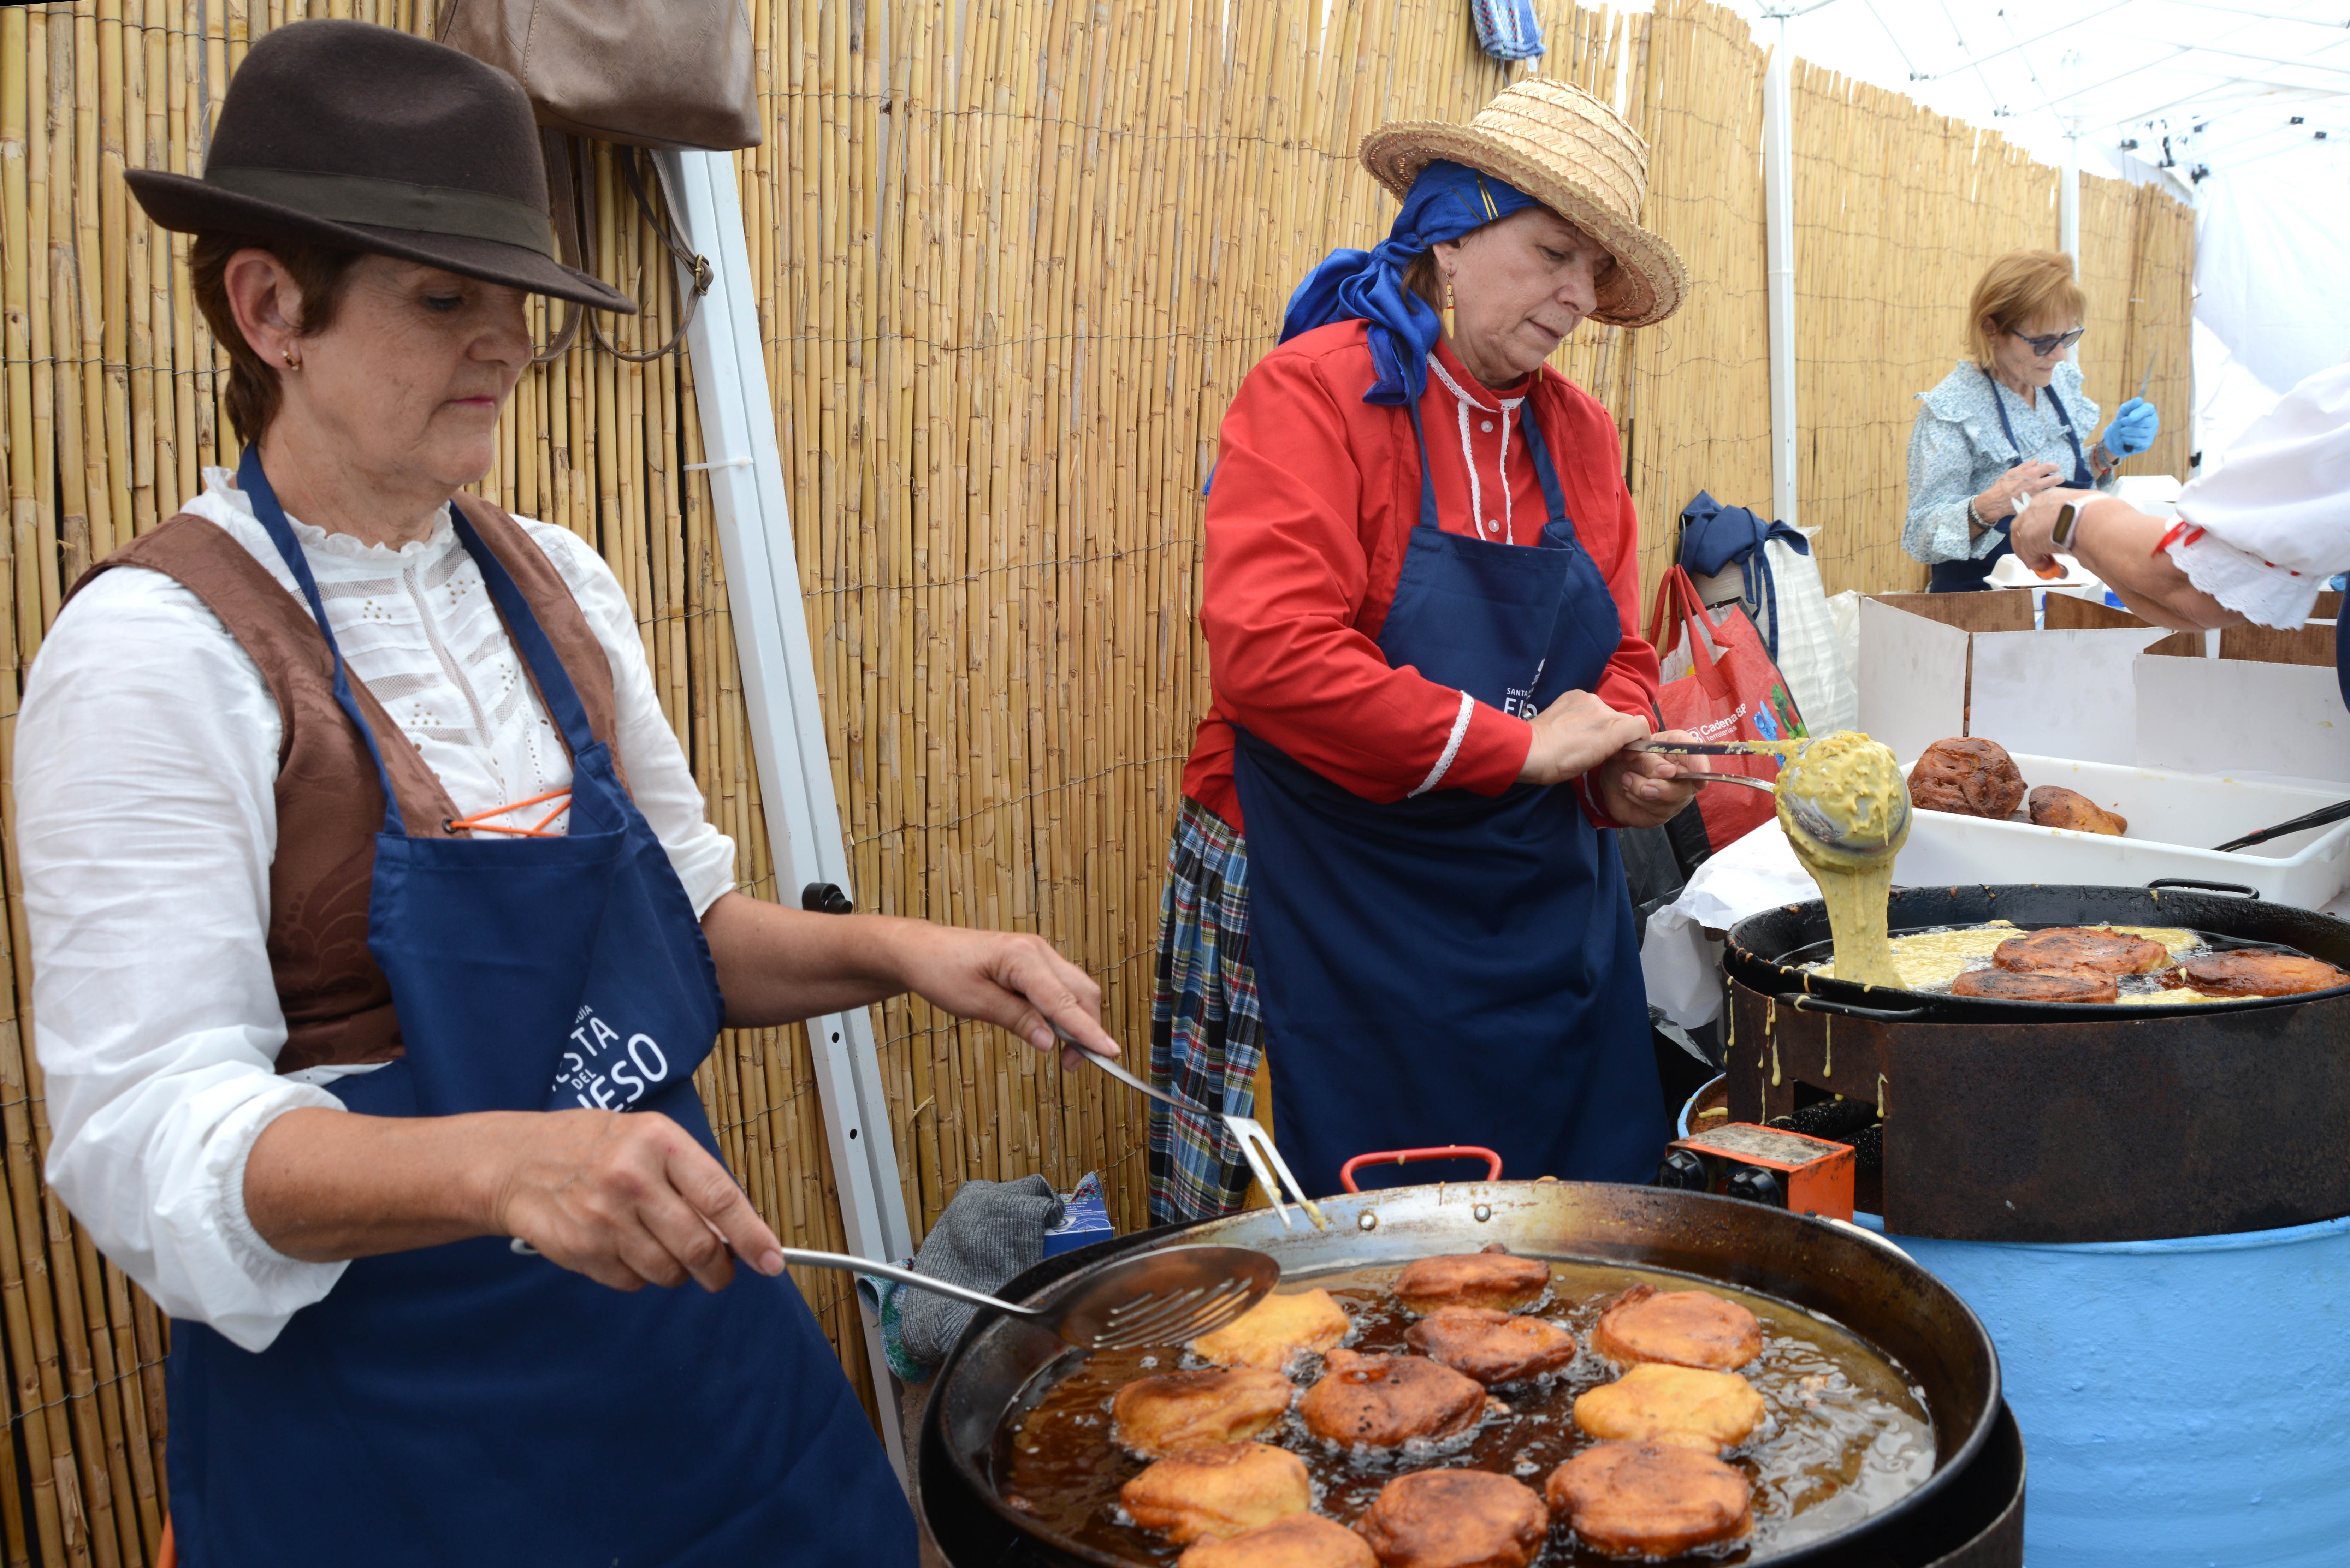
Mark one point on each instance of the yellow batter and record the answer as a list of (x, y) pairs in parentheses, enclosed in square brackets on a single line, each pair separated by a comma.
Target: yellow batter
[(1929, 960), (1856, 784)]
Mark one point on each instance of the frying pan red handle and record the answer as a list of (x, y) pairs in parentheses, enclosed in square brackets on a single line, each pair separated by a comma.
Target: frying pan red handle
[(1406, 1156)]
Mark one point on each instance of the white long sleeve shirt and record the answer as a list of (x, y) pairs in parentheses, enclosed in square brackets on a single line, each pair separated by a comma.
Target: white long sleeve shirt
[(2271, 523), (146, 824)]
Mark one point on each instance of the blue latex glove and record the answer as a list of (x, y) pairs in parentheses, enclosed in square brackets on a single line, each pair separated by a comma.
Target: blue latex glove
[(2133, 429)]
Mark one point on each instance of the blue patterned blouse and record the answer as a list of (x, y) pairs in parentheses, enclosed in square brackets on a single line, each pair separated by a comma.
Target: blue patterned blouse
[(1957, 449)]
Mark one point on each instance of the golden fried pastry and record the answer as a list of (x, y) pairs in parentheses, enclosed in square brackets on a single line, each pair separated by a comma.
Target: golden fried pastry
[(1157, 1415), (1492, 1346), (1218, 1490), (2053, 805), (1385, 1400), (1650, 1499), (2254, 974), (1294, 1541), (1455, 1519), (1276, 1332), (1686, 1328), (2080, 947), (1970, 777), (2043, 985), (1487, 1279), (1684, 1404)]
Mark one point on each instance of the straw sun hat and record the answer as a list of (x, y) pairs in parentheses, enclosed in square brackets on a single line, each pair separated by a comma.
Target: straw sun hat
[(1575, 156)]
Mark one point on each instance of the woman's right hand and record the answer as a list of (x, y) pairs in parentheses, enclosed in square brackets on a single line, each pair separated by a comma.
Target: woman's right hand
[(1574, 735), (2024, 479)]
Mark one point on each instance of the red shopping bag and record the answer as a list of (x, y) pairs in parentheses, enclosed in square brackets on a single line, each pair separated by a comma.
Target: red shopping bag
[(1732, 692)]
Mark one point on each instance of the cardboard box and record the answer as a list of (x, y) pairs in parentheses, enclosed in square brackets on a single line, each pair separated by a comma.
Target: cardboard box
[(2270, 703)]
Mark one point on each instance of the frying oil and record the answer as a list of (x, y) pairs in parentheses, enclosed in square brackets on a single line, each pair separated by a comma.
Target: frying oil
[(1846, 1434)]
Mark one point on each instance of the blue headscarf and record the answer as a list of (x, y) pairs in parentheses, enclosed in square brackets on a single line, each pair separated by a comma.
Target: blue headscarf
[(1445, 201)]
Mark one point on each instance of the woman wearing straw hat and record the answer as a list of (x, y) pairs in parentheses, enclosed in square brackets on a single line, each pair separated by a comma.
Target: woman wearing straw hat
[(327, 1020), (2006, 423), (1392, 870)]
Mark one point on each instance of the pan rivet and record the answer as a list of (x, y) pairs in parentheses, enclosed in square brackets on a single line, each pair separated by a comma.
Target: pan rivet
[(1366, 1223), (1483, 1211)]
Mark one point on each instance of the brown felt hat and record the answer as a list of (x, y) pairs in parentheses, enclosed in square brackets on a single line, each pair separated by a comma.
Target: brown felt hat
[(367, 139)]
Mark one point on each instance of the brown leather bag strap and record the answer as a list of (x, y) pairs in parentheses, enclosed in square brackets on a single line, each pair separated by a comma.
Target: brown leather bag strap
[(665, 225)]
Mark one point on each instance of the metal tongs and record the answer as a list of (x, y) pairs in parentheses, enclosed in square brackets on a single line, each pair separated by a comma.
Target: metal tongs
[(1256, 1143), (1717, 749)]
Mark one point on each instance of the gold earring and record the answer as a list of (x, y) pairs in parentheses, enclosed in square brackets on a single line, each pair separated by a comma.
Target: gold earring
[(1450, 304), (291, 362)]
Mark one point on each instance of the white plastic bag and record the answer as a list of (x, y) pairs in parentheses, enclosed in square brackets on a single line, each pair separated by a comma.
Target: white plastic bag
[(1811, 655)]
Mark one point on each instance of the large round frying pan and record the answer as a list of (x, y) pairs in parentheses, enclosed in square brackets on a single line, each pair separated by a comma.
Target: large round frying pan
[(1766, 952), (1834, 1269)]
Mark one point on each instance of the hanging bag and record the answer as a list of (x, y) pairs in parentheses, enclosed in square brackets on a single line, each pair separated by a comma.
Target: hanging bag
[(1732, 692)]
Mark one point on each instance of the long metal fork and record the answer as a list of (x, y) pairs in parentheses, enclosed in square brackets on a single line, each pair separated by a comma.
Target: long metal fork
[(1255, 1143)]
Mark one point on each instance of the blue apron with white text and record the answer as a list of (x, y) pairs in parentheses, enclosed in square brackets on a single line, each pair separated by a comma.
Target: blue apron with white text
[(465, 1404), (1973, 573), (1457, 968)]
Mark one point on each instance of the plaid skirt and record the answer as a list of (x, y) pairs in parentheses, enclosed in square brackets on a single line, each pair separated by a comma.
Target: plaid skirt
[(1207, 1034)]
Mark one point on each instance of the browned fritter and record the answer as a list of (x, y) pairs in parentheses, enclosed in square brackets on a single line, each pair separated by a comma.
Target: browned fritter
[(1455, 1519), (1490, 1346), (1298, 1541), (2066, 985), (1218, 1490), (1973, 777), (1385, 1400), (2080, 947), (1157, 1415), (2254, 974), (1276, 1331), (1492, 1278), (1650, 1499), (1684, 1404), (1686, 1328), (2053, 805)]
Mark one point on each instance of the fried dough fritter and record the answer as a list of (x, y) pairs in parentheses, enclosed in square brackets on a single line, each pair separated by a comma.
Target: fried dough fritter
[(1276, 1332), (2053, 805), (1969, 776), (1387, 1400), (1157, 1415), (1684, 1404), (2247, 973), (1685, 1328), (1492, 1278), (1650, 1498), (1490, 1346), (1293, 1541), (2080, 947), (2041, 985), (1455, 1519), (1218, 1490)]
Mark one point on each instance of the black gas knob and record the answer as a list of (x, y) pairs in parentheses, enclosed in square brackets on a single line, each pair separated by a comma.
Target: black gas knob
[(826, 899), (1756, 1185), (1682, 1172)]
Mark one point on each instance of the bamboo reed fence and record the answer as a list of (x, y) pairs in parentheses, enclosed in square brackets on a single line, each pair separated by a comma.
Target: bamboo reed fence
[(1011, 260)]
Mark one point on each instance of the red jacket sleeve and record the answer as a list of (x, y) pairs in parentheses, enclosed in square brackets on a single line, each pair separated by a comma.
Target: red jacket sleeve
[(1287, 573)]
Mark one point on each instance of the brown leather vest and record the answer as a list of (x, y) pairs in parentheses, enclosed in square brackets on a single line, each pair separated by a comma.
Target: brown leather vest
[(338, 1005)]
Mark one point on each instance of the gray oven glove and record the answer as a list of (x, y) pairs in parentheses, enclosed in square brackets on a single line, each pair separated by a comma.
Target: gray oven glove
[(991, 1232)]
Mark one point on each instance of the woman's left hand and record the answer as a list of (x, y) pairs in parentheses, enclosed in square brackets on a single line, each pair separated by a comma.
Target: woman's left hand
[(2028, 537), (2135, 424), (1648, 789)]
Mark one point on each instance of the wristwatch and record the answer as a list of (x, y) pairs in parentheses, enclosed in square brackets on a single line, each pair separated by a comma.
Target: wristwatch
[(2060, 536)]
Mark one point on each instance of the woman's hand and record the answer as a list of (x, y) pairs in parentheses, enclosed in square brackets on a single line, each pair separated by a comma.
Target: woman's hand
[(2030, 536), (1574, 735), (628, 1200), (2010, 488), (1648, 789)]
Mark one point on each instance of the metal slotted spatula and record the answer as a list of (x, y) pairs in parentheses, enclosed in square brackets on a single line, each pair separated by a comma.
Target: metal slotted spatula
[(1164, 1296), (1256, 1143)]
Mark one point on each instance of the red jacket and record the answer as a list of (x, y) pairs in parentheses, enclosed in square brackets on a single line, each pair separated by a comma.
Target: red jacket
[(1314, 498)]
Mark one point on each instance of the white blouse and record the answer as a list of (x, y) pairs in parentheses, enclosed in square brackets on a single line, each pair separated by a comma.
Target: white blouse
[(146, 759), (2271, 524)]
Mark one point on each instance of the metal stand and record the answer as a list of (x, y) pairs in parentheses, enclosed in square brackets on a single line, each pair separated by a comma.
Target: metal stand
[(754, 530)]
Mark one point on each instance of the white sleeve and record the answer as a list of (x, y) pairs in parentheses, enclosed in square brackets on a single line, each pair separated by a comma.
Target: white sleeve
[(2275, 515), (146, 822), (659, 781)]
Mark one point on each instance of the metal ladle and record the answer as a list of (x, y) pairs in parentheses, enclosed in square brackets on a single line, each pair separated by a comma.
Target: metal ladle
[(1809, 819)]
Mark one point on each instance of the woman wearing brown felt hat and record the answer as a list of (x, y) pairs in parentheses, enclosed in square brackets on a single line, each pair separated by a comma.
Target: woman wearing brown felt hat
[(377, 932)]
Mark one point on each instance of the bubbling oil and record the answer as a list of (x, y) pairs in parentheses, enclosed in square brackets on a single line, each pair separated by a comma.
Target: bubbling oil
[(1845, 1436)]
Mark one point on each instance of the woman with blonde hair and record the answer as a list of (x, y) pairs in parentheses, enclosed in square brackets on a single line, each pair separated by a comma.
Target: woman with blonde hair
[(2008, 422)]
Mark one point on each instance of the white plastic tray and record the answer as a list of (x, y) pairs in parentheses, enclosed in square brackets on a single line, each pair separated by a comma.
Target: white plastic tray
[(2174, 818)]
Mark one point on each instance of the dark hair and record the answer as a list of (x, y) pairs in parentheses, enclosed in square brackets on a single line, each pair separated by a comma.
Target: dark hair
[(321, 273), (1422, 279)]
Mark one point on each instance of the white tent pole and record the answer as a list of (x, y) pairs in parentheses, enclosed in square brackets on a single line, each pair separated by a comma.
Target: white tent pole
[(2068, 194), (771, 633), (1779, 259)]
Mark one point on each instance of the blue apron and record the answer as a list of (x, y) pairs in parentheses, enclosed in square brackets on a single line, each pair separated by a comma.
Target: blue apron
[(1973, 574), (466, 1404), (1457, 968)]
